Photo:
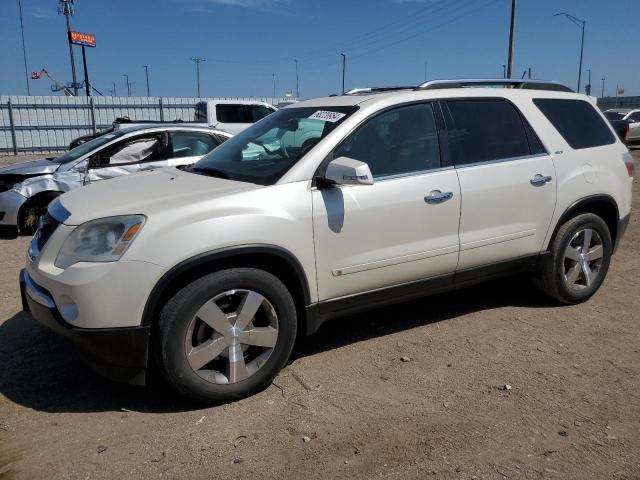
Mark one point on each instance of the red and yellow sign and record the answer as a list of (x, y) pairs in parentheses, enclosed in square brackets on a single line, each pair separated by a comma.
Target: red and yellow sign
[(86, 39)]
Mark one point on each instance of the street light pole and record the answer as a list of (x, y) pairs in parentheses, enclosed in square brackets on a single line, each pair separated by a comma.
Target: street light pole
[(24, 49), (603, 87), (66, 8), (512, 31), (504, 71), (425, 70), (146, 71), (128, 85), (273, 97), (581, 24), (297, 82), (587, 88), (344, 67)]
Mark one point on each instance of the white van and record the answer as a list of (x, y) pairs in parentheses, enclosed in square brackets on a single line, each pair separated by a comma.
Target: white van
[(232, 116)]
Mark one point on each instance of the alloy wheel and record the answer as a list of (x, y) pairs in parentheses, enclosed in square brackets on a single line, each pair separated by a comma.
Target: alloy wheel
[(583, 259), (231, 336)]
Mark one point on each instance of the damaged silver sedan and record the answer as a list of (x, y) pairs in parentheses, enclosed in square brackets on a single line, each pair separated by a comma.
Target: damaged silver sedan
[(27, 188)]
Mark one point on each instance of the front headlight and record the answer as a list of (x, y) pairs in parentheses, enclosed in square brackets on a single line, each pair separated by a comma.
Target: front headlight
[(101, 240)]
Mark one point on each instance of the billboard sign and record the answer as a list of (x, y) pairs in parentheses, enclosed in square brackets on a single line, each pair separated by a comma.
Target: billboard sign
[(85, 39)]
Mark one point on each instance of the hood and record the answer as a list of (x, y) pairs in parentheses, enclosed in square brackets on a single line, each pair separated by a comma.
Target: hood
[(148, 193), (33, 167)]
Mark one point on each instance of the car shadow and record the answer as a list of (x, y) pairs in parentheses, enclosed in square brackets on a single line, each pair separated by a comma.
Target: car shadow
[(42, 372)]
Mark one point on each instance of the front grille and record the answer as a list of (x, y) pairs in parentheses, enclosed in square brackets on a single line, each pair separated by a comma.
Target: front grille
[(46, 226)]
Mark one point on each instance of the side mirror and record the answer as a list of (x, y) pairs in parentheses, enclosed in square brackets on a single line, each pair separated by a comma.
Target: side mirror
[(347, 171)]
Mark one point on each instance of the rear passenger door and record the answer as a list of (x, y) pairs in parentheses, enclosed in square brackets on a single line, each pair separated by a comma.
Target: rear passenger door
[(506, 181)]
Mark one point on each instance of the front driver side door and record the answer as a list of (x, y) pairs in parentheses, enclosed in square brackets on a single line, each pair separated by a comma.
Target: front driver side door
[(186, 147), (401, 229), (128, 156)]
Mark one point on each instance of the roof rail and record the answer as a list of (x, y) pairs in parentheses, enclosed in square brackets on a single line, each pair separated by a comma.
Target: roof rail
[(364, 90), (497, 82)]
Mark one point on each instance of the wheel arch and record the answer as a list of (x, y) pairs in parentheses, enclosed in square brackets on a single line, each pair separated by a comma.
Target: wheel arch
[(48, 195), (602, 205), (273, 259)]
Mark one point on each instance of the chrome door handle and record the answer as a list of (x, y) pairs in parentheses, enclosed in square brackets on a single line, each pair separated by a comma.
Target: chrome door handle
[(539, 180), (436, 196)]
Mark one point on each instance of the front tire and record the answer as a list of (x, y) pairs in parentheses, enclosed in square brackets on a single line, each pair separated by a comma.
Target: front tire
[(226, 335), (580, 256)]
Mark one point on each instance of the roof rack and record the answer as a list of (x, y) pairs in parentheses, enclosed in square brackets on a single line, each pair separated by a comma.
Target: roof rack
[(365, 90), (498, 82)]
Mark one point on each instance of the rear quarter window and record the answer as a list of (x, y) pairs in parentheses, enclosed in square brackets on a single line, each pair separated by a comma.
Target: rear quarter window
[(577, 121)]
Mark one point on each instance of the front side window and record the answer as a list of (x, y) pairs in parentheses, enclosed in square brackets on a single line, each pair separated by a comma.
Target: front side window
[(267, 150), (400, 141), (577, 121), (191, 144), (486, 130)]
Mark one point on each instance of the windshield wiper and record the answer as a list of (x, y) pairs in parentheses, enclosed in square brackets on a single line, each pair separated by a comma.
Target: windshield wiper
[(209, 172)]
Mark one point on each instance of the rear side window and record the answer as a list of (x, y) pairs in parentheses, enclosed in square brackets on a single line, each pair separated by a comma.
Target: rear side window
[(487, 130), (577, 121), (233, 114)]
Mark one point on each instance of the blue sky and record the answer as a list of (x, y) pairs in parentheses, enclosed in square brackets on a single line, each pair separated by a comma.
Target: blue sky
[(386, 42)]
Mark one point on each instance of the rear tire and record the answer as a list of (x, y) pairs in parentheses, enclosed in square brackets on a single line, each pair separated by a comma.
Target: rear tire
[(579, 260), (226, 335)]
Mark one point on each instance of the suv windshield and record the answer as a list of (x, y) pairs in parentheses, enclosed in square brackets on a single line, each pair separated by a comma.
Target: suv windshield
[(85, 148), (268, 149)]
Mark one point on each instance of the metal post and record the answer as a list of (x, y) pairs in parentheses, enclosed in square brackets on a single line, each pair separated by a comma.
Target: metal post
[(603, 87), (584, 23), (24, 50), (512, 30), (273, 98), (66, 8), (504, 71), (87, 85), (587, 88), (13, 128), (115, 93), (344, 67), (198, 61), (160, 104), (297, 82), (425, 70), (93, 114), (146, 70)]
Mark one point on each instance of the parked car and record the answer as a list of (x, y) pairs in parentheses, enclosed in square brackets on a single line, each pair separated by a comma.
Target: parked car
[(213, 271), (232, 116), (626, 123), (27, 188), (125, 122)]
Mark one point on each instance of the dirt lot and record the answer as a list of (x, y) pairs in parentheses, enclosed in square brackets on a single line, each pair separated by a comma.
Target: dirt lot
[(573, 410)]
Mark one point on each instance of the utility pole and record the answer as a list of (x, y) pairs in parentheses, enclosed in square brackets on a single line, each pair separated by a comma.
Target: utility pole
[(603, 87), (114, 91), (66, 8), (273, 98), (146, 71), (529, 73), (581, 24), (512, 31), (344, 67), (504, 71), (24, 49), (297, 81), (198, 61), (587, 88), (128, 85)]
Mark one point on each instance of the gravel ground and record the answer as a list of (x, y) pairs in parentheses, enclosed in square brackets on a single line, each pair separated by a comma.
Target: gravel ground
[(572, 410)]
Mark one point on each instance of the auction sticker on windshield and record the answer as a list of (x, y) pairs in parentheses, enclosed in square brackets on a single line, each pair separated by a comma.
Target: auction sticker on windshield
[(327, 116)]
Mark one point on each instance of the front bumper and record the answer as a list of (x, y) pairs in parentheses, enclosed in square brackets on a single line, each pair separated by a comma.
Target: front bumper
[(116, 353), (10, 203)]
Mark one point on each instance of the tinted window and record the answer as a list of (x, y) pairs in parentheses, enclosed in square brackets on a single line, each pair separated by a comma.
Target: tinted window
[(577, 121), (191, 144), (535, 146), (258, 112), (402, 140), (486, 130), (614, 115), (201, 113), (635, 117), (233, 114)]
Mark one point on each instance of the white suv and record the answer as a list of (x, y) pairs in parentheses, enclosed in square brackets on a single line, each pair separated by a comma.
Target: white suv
[(210, 272)]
